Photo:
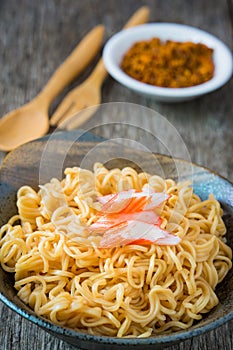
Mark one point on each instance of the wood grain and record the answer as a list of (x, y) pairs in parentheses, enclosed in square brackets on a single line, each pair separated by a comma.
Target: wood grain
[(36, 36)]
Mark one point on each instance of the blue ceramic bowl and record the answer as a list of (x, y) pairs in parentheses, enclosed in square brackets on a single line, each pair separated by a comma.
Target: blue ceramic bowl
[(29, 162)]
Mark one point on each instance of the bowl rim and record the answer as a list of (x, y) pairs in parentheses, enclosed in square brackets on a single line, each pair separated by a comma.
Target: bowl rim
[(98, 339), (51, 327), (222, 72)]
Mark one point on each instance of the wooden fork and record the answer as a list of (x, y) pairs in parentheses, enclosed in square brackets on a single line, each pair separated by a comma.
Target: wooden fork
[(88, 94)]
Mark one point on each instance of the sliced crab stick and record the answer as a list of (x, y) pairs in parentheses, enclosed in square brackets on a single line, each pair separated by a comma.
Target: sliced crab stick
[(131, 201), (135, 231), (108, 221)]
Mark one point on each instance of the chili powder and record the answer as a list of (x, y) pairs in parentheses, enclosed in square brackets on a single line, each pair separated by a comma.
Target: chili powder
[(169, 64)]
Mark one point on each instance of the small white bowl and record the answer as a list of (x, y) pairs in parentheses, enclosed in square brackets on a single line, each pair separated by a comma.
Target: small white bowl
[(118, 45)]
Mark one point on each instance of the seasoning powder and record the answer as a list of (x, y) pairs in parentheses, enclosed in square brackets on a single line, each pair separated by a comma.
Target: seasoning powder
[(169, 64)]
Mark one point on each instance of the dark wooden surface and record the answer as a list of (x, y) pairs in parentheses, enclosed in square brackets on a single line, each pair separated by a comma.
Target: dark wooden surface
[(35, 36)]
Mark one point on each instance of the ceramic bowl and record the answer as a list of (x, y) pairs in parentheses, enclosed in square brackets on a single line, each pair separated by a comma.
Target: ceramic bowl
[(35, 160), (119, 44)]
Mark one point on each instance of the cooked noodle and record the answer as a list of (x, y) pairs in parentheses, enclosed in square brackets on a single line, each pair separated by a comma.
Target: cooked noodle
[(126, 291)]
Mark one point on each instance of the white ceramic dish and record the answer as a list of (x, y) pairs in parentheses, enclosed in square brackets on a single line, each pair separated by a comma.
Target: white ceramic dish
[(117, 46)]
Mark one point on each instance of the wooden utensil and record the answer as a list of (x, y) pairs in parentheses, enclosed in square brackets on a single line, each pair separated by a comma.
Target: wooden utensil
[(31, 120), (88, 94)]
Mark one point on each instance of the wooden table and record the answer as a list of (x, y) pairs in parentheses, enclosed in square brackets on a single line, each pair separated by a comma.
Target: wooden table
[(37, 35)]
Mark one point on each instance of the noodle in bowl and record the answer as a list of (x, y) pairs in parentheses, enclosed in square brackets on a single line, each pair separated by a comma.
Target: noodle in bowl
[(130, 294), (134, 290)]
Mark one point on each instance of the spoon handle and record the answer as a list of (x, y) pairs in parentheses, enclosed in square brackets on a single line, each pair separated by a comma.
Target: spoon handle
[(141, 16), (73, 65)]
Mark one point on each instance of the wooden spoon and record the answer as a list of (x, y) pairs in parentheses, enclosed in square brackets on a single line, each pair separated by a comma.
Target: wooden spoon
[(73, 110), (31, 120)]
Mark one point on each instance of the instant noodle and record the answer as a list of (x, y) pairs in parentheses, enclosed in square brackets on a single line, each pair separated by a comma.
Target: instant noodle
[(135, 289)]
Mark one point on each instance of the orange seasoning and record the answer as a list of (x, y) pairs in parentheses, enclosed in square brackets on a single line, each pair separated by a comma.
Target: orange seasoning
[(169, 64)]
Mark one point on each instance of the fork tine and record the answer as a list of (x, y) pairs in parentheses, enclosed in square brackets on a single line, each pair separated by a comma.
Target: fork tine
[(62, 110), (77, 119), (73, 109), (68, 116)]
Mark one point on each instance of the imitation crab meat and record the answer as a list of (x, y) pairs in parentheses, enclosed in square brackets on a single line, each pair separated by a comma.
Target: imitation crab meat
[(129, 217), (137, 232)]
